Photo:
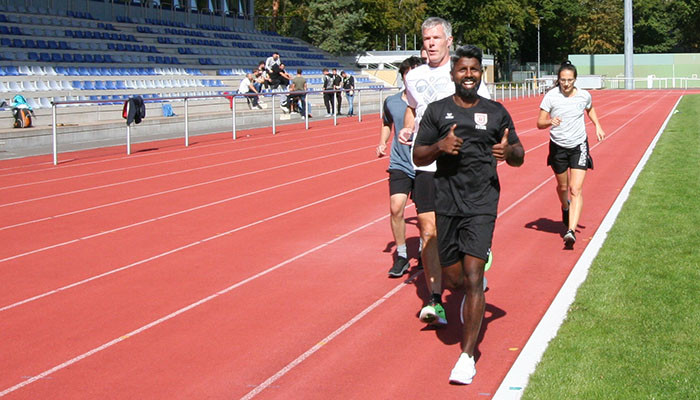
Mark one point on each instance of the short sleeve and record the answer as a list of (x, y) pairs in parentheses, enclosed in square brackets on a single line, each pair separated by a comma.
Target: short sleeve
[(428, 132), (546, 103), (507, 122), (589, 101), (387, 118)]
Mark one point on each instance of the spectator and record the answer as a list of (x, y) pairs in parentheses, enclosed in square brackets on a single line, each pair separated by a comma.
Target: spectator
[(262, 79), (297, 98), (285, 77), (272, 60), (338, 85), (246, 86), (328, 96), (349, 87)]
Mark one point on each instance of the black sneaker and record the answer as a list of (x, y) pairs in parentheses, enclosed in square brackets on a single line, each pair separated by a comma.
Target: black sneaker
[(569, 239), (399, 268), (565, 215)]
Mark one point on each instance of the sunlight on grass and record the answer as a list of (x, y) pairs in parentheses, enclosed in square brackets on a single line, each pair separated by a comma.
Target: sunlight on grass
[(633, 331)]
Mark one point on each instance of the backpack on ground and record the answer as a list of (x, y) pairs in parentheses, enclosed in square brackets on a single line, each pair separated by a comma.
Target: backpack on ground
[(23, 117), (22, 112)]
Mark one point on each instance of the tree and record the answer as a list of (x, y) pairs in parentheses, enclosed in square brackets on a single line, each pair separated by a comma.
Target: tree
[(391, 17), (333, 25), (601, 30)]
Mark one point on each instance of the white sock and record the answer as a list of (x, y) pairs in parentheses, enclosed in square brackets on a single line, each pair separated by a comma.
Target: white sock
[(401, 251)]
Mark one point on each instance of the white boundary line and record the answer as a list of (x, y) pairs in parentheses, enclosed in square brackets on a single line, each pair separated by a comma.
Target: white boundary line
[(186, 308), (516, 380)]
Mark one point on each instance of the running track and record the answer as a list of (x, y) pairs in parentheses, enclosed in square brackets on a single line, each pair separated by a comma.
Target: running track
[(257, 268)]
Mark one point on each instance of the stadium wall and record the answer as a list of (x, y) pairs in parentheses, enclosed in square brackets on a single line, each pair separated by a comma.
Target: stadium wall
[(661, 65)]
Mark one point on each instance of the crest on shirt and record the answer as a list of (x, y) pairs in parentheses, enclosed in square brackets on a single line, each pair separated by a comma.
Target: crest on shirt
[(481, 118), (449, 116)]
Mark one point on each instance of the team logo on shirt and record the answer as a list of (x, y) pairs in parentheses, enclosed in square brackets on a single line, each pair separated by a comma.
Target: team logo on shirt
[(481, 120), (449, 116)]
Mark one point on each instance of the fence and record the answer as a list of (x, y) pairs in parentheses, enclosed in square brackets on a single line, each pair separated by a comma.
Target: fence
[(234, 114)]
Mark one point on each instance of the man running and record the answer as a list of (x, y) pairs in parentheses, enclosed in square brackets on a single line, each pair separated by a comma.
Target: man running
[(466, 134), (425, 84), (401, 173)]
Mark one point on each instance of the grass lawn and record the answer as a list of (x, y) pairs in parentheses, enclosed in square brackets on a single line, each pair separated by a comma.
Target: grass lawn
[(633, 331)]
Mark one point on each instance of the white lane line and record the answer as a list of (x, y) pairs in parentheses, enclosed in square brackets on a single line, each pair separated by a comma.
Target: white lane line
[(121, 157), (113, 184), (516, 379), (315, 348), (52, 217), (184, 309), (180, 160), (195, 243), (308, 353)]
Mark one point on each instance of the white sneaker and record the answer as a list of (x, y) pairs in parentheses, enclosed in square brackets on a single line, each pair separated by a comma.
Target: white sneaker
[(464, 371)]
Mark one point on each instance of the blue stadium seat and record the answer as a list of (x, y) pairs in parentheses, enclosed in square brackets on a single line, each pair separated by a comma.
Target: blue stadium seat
[(67, 57), (77, 84), (82, 71)]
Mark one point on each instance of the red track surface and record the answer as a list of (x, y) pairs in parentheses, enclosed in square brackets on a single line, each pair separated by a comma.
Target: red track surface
[(259, 266)]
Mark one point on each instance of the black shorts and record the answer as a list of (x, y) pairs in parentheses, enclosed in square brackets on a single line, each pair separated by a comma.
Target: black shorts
[(424, 192), (458, 236), (561, 158), (399, 182)]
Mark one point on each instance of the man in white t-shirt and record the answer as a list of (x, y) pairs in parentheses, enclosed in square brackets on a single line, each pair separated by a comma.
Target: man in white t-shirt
[(425, 84), (246, 86)]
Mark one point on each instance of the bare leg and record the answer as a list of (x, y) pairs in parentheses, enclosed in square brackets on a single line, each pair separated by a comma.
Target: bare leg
[(576, 191), (563, 189), (474, 302), (398, 223), (429, 254)]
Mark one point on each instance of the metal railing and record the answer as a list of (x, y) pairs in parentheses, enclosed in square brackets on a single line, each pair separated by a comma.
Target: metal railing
[(234, 115)]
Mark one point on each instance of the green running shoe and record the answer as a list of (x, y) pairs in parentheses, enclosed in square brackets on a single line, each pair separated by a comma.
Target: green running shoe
[(433, 314)]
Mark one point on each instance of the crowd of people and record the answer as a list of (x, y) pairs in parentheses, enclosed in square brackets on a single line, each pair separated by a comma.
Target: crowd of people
[(272, 76), (448, 137)]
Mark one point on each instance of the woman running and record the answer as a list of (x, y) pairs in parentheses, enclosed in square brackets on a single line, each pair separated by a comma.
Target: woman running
[(562, 109)]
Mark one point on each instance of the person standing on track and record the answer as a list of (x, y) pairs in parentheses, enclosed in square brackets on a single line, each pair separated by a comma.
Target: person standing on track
[(562, 109), (425, 84), (401, 173), (466, 134)]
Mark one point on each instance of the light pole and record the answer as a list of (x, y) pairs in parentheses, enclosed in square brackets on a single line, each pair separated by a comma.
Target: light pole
[(538, 48)]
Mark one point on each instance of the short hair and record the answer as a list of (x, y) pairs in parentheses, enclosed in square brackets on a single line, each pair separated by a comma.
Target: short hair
[(468, 51), (432, 22), (409, 63), (274, 52), (325, 70), (299, 71)]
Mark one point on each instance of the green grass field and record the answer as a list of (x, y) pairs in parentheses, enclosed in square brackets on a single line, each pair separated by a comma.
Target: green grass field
[(633, 331)]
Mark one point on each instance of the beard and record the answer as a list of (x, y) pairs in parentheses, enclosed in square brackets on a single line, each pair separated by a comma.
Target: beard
[(467, 94)]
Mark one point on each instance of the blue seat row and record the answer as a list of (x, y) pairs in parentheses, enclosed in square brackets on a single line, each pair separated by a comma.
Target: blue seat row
[(12, 30), (68, 57), (132, 47), (100, 35), (104, 71), (32, 44)]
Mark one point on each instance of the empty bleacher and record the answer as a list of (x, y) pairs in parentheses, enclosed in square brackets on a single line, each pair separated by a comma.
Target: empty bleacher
[(49, 55)]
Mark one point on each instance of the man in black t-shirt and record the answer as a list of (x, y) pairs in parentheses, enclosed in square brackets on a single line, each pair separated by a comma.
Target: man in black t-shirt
[(467, 135)]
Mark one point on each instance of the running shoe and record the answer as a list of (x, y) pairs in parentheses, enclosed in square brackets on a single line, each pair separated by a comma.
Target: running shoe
[(433, 314), (569, 239), (399, 268), (489, 261), (565, 214), (464, 371)]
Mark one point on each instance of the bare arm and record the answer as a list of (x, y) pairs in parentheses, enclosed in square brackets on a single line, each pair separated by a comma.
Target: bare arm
[(426, 154), (600, 134), (544, 120), (513, 154), (383, 139), (409, 122)]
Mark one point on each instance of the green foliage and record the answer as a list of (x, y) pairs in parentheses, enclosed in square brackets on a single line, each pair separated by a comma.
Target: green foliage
[(391, 17), (601, 31), (687, 24), (333, 25), (654, 27)]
